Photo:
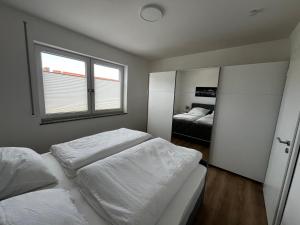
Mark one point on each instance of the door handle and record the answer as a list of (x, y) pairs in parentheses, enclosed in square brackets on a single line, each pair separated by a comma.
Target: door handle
[(287, 142)]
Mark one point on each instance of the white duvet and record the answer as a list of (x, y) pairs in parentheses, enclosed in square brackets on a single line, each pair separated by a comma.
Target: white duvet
[(45, 207), (135, 186), (208, 119), (83, 151), (187, 116)]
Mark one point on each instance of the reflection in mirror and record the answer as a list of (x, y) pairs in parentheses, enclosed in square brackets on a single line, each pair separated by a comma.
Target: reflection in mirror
[(194, 108)]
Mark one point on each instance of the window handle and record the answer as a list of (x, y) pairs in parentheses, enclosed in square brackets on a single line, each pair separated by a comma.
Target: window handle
[(287, 142), (91, 90)]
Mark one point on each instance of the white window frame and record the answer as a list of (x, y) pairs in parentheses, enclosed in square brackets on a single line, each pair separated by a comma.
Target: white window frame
[(89, 62), (122, 72)]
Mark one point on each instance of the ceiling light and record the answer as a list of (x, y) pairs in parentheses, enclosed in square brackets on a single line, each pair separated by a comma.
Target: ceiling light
[(254, 12), (151, 13)]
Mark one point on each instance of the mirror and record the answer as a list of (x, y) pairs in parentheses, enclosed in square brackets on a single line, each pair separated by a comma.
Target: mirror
[(194, 108)]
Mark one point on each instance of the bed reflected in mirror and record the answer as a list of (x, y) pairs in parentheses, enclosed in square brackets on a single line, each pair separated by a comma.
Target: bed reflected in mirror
[(194, 108)]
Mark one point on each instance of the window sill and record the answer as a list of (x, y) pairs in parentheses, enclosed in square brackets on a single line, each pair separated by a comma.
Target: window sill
[(63, 120)]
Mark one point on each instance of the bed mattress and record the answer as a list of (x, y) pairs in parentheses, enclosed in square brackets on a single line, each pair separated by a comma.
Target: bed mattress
[(177, 212)]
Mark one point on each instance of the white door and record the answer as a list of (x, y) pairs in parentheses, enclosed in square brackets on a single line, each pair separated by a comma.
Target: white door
[(281, 151), (291, 214), (161, 104)]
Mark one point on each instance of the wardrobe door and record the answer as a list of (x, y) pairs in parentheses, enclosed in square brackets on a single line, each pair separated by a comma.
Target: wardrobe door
[(161, 103), (248, 103)]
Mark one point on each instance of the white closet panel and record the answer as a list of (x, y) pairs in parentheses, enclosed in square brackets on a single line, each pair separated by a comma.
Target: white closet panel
[(160, 105), (248, 102)]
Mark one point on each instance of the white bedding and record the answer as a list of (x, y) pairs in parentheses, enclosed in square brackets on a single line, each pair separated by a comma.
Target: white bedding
[(83, 151), (199, 111), (208, 119), (187, 116), (22, 170), (135, 186), (177, 212), (45, 207)]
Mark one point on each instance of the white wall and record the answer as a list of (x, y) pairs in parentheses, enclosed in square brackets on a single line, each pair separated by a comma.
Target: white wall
[(18, 126), (186, 83), (272, 51), (291, 214)]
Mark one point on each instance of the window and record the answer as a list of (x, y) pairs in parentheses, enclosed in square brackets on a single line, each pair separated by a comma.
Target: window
[(74, 86), (64, 84), (108, 86)]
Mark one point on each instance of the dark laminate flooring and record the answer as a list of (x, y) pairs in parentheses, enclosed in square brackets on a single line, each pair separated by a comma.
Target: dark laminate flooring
[(192, 144), (229, 198)]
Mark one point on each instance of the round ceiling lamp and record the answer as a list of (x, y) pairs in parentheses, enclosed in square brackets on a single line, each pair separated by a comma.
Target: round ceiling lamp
[(151, 13)]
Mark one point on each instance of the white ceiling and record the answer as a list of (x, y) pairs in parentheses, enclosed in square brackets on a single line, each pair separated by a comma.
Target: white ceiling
[(188, 26)]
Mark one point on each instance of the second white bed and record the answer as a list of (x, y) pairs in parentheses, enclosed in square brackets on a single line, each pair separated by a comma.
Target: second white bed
[(177, 212)]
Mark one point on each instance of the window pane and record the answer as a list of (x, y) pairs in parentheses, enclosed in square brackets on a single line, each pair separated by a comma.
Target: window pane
[(65, 84), (107, 87)]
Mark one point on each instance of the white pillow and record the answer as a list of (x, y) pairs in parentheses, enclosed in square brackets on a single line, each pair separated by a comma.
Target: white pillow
[(45, 207), (199, 111), (22, 170)]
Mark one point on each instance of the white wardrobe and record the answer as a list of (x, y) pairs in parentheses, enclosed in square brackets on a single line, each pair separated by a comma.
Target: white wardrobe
[(161, 104), (248, 102)]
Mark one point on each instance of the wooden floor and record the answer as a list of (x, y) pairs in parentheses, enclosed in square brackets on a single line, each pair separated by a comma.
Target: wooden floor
[(192, 144), (229, 199)]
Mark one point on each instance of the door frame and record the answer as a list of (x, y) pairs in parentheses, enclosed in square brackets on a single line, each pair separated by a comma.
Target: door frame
[(292, 163)]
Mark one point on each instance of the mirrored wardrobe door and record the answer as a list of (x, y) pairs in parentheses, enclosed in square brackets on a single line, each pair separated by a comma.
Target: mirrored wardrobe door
[(194, 108)]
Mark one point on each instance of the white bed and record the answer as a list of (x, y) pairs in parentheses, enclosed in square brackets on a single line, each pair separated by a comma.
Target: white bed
[(208, 119), (194, 114), (187, 116), (77, 153), (177, 212)]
